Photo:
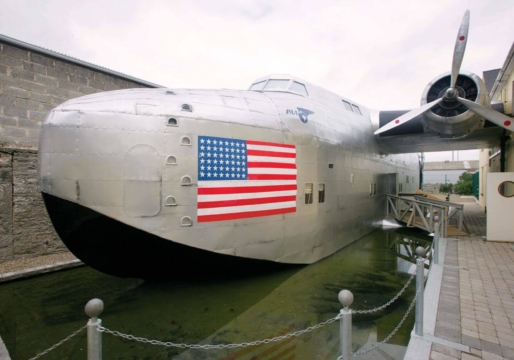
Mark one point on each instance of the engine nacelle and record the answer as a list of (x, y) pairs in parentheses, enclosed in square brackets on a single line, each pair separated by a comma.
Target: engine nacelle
[(449, 118)]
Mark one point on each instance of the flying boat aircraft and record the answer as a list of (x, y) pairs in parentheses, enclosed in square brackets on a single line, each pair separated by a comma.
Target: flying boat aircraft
[(164, 182)]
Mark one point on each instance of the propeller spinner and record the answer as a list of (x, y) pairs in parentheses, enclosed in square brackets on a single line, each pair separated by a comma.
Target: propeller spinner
[(452, 95)]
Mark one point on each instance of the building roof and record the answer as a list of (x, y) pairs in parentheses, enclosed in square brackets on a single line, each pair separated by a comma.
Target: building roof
[(504, 74), (30, 47), (489, 77), (451, 165)]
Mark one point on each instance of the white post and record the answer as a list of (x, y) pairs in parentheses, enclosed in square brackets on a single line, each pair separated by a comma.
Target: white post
[(436, 240), (93, 309), (420, 283), (346, 299)]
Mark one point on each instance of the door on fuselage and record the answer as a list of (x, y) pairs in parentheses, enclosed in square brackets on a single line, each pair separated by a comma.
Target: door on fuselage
[(392, 184)]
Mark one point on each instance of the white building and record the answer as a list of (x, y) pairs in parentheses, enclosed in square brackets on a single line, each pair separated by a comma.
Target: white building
[(447, 172)]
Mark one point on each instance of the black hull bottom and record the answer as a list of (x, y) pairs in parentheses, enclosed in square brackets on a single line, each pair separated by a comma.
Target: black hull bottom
[(117, 249)]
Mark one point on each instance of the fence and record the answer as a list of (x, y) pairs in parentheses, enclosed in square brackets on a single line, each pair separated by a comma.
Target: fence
[(95, 329)]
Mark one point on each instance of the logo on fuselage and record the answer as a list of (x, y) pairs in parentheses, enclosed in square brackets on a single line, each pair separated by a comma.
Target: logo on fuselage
[(302, 113)]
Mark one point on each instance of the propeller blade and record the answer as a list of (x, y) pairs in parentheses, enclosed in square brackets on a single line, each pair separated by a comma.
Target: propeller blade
[(408, 116), (490, 114), (460, 48)]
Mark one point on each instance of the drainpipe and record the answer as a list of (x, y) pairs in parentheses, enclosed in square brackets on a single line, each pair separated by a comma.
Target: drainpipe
[(421, 165), (503, 142)]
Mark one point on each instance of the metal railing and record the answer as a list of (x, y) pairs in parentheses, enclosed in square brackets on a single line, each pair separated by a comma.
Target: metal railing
[(95, 329), (455, 210), (418, 212)]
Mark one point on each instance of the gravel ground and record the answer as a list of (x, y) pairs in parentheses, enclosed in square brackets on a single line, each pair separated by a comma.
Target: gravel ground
[(29, 263)]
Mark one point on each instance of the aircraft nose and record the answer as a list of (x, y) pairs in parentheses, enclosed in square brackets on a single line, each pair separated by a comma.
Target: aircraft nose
[(90, 145)]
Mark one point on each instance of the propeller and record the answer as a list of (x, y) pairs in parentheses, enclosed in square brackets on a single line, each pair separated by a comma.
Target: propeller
[(452, 94), (488, 113), (460, 48), (408, 116)]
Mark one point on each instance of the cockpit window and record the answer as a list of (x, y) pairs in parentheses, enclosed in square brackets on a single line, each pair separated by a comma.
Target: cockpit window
[(258, 86), (298, 88), (274, 84), (356, 109), (347, 106), (282, 85)]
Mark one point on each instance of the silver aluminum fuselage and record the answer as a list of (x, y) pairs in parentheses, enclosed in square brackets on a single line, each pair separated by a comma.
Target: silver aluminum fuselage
[(118, 154)]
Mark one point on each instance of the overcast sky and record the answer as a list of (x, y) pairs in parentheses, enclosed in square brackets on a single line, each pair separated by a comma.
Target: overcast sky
[(380, 54)]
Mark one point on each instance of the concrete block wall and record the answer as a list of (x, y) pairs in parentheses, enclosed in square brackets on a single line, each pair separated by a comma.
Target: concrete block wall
[(431, 188), (31, 84), (6, 242)]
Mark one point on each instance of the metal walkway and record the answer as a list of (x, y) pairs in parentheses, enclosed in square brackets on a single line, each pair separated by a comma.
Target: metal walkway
[(419, 211)]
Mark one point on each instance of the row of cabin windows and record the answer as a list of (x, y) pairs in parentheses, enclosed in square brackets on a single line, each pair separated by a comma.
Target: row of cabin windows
[(352, 107), (309, 193)]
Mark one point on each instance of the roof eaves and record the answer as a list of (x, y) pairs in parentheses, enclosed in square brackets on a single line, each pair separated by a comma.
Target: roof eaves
[(504, 74), (24, 45)]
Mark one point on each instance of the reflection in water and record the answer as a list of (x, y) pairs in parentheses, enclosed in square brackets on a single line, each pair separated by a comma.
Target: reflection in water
[(36, 313)]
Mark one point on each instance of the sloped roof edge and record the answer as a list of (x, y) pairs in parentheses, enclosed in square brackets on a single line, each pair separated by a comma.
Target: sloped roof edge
[(504, 74), (464, 165), (24, 45)]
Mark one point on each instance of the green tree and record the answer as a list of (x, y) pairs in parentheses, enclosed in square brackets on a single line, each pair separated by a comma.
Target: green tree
[(465, 184), (446, 188)]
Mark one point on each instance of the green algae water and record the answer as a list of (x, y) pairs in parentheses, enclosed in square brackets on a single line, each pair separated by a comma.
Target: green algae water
[(36, 313)]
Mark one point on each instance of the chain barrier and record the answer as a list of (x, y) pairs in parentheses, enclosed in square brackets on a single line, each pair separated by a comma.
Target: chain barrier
[(58, 344), (258, 342), (362, 352), (219, 346), (370, 311), (103, 329)]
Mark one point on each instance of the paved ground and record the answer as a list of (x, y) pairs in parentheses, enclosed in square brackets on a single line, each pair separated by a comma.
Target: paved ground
[(23, 268), (476, 305), (29, 263)]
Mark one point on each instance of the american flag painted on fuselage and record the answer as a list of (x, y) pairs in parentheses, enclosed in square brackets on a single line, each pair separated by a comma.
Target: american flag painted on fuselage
[(239, 179)]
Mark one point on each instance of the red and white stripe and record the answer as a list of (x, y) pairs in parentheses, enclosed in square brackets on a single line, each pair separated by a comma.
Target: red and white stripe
[(271, 187)]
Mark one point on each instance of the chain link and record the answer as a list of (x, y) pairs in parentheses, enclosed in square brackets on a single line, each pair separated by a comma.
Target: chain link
[(362, 352), (258, 342), (390, 301), (253, 343), (219, 346), (58, 344)]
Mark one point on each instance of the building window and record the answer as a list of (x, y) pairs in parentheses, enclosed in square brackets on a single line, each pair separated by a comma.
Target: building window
[(321, 193), (374, 188), (352, 183), (308, 193), (407, 179)]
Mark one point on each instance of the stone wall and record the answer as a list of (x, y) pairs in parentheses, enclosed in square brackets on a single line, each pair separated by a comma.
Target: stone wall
[(31, 84), (6, 242)]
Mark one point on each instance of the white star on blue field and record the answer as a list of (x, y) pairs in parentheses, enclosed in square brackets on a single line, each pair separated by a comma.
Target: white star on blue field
[(221, 159)]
